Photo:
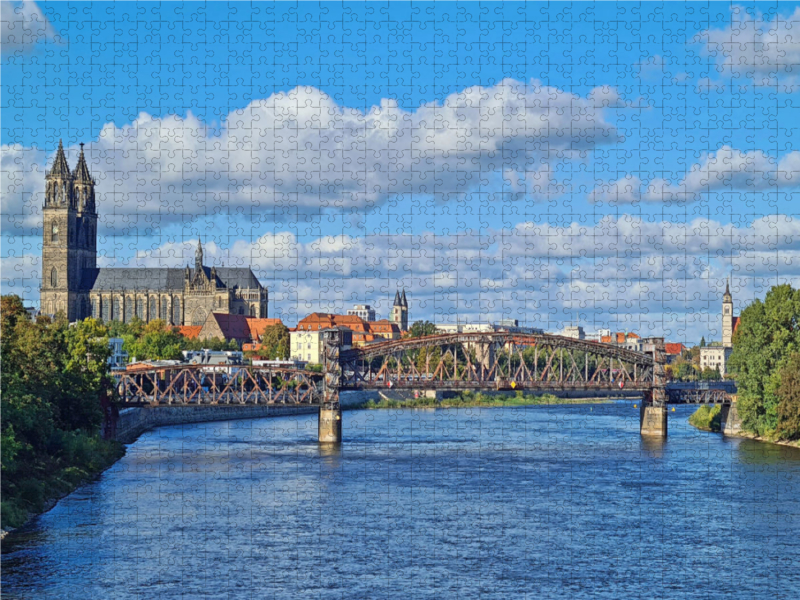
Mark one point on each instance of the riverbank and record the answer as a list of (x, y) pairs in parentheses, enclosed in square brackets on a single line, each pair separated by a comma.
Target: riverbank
[(476, 400), (707, 418), (90, 457), (758, 438), (33, 497)]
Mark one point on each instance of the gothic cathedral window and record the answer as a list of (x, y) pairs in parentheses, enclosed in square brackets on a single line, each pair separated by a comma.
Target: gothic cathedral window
[(53, 277)]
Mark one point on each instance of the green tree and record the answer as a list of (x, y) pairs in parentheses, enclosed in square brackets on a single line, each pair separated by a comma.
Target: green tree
[(703, 342), (11, 310), (53, 375), (789, 399), (157, 342), (275, 342), (208, 344), (767, 335), (420, 329)]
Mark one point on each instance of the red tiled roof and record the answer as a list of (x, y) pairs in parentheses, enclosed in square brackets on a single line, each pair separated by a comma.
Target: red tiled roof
[(384, 326), (318, 321), (674, 349), (190, 332), (606, 339), (257, 326), (232, 326)]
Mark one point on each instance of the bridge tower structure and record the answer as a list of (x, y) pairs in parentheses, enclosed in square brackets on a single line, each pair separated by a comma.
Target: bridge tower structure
[(653, 411), (330, 411)]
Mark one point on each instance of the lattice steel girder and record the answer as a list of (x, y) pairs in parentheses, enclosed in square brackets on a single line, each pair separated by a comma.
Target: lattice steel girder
[(683, 396), (195, 384), (498, 338), (486, 358)]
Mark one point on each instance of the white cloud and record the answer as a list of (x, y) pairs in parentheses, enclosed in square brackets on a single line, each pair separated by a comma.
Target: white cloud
[(755, 50), (23, 26), (725, 169), (626, 190), (625, 270), (299, 153)]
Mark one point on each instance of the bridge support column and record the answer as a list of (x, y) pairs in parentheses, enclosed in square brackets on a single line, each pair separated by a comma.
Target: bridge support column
[(330, 425), (729, 420), (653, 419)]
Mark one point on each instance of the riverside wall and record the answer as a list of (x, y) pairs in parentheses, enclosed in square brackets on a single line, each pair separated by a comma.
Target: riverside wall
[(135, 421)]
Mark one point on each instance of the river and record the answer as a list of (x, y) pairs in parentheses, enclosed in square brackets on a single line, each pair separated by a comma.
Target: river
[(533, 502)]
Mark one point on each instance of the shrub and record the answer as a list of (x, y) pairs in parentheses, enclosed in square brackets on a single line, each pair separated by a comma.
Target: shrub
[(707, 418)]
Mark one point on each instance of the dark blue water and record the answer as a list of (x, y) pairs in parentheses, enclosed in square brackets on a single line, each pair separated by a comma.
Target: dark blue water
[(537, 502)]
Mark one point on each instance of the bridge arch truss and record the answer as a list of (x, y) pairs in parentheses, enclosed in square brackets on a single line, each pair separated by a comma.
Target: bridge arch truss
[(496, 360)]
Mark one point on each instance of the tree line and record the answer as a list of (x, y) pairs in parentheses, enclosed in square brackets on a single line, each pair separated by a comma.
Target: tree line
[(766, 364), (53, 379)]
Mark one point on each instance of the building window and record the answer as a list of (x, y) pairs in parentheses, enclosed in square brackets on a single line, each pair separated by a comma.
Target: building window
[(163, 314), (176, 311), (252, 311), (54, 232), (116, 313), (153, 313), (140, 308), (96, 308), (105, 310), (128, 309), (53, 277)]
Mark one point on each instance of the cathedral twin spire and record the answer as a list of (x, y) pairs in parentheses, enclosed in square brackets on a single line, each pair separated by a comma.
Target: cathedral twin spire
[(66, 188), (400, 299)]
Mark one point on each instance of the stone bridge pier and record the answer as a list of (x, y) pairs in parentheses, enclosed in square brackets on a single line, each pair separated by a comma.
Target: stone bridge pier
[(653, 413), (329, 429)]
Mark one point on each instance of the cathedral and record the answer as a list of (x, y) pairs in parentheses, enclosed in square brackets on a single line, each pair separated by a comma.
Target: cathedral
[(72, 283)]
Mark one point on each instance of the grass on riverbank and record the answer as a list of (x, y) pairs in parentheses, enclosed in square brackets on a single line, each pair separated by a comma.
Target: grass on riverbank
[(80, 458), (470, 399), (707, 418)]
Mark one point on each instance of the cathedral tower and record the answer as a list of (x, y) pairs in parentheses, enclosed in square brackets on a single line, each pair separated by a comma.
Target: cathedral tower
[(69, 237)]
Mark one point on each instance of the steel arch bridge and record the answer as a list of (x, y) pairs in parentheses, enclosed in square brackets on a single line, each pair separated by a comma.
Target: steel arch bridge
[(453, 362), (499, 361)]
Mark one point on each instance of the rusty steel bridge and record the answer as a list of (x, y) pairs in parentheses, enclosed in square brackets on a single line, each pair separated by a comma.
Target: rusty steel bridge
[(497, 361)]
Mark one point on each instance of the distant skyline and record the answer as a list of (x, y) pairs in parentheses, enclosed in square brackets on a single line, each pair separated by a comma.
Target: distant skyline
[(595, 164)]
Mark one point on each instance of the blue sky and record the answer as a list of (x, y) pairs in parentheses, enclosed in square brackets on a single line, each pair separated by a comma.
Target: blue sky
[(606, 164)]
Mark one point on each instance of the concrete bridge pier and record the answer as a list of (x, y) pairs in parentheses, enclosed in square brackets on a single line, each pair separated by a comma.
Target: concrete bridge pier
[(330, 424), (730, 422), (653, 419)]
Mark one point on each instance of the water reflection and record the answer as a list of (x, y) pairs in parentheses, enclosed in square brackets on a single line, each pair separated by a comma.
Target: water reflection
[(653, 446), (754, 452)]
